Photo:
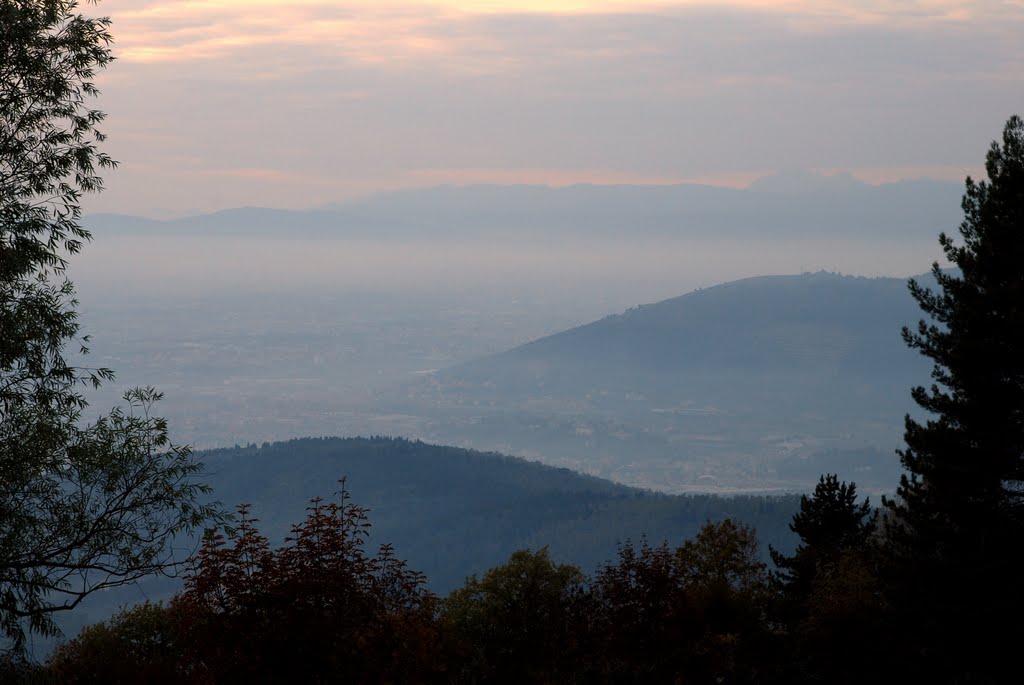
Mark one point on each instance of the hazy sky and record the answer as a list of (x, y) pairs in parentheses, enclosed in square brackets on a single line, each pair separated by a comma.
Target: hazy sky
[(297, 103)]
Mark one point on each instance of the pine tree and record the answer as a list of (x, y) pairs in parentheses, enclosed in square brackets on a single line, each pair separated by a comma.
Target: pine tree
[(955, 526), (829, 605), (829, 523)]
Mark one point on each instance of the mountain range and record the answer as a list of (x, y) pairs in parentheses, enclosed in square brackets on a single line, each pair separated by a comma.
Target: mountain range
[(783, 205)]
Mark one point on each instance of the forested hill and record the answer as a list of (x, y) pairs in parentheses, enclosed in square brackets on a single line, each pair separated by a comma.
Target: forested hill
[(452, 512)]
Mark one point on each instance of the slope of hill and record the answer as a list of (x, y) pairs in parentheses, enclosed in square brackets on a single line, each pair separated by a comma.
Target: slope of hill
[(815, 326), (448, 512), (744, 383), (452, 512)]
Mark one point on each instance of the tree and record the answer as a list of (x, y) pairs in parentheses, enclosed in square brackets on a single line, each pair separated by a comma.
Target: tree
[(723, 557), (519, 623), (642, 624), (83, 505), (137, 645), (829, 593), (693, 614), (955, 528), (729, 591), (830, 524), (317, 609)]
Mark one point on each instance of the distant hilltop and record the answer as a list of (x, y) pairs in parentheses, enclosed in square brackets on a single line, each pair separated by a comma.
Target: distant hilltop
[(812, 324), (761, 382)]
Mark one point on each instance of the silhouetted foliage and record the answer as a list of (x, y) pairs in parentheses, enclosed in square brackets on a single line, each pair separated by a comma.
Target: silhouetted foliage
[(139, 644), (84, 506), (830, 524), (318, 608), (829, 594), (455, 512), (956, 526), (521, 623), (695, 614)]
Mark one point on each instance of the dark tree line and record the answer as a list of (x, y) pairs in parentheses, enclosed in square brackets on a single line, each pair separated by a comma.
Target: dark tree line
[(321, 608), (432, 502)]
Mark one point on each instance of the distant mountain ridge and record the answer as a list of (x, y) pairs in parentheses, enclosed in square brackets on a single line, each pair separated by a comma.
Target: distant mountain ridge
[(777, 206)]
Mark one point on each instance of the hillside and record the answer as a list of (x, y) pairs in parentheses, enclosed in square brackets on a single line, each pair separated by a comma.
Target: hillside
[(815, 326), (763, 380), (452, 512), (449, 512)]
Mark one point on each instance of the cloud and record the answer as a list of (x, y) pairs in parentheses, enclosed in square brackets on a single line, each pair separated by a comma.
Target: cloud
[(380, 94), (390, 32)]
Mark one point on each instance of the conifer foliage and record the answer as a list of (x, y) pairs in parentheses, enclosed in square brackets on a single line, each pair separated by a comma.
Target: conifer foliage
[(970, 456), (830, 523), (955, 527), (828, 599)]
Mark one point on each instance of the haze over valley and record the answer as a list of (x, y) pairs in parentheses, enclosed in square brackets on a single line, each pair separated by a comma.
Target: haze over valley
[(389, 316), (517, 341)]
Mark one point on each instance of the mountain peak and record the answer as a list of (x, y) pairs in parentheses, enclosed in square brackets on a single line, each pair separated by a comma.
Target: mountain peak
[(802, 181)]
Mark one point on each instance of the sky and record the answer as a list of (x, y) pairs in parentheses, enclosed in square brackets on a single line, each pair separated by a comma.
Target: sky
[(300, 103)]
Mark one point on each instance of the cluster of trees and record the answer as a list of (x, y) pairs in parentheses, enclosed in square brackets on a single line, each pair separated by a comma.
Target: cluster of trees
[(321, 609), (321, 601), (452, 512), (925, 589)]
